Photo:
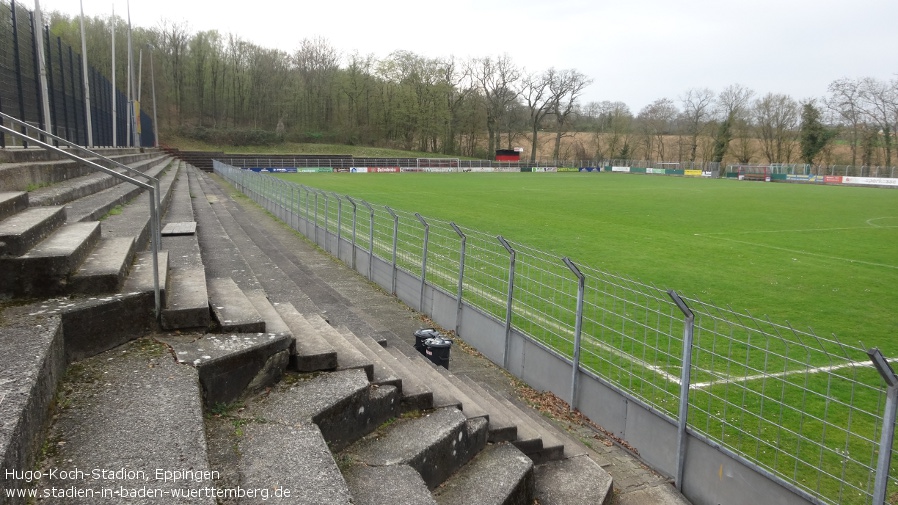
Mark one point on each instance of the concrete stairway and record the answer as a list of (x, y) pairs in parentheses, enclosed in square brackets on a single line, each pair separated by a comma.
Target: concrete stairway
[(247, 386)]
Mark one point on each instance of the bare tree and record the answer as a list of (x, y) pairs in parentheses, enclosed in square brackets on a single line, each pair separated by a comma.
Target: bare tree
[(656, 120), (732, 106), (776, 117), (497, 78), (877, 102), (844, 101), (697, 109), (536, 94), (565, 88)]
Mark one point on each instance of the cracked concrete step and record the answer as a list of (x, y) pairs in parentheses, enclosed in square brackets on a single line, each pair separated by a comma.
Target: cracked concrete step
[(23, 230), (45, 269), (436, 444), (387, 485), (131, 408), (311, 352), (348, 357), (231, 308), (12, 202), (105, 268), (502, 429), (573, 481), (552, 448), (343, 405), (468, 406), (441, 396), (140, 278), (527, 439), (382, 374), (231, 365), (187, 301), (500, 475), (415, 394), (293, 459), (31, 365)]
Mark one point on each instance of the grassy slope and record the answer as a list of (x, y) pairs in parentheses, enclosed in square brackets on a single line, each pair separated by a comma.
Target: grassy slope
[(821, 257)]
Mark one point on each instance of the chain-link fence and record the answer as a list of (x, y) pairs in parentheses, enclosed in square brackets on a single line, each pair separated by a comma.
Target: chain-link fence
[(805, 411), (61, 110)]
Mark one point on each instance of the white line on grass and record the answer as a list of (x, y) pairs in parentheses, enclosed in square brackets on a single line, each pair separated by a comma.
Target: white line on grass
[(830, 368), (806, 253)]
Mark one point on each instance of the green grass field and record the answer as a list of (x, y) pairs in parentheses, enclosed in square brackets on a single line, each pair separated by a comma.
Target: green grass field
[(819, 257)]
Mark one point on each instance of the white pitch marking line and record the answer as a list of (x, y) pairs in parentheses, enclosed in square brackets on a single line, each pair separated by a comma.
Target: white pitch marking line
[(830, 368), (806, 253)]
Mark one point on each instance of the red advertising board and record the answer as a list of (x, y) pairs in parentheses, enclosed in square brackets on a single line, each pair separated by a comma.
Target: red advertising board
[(832, 179)]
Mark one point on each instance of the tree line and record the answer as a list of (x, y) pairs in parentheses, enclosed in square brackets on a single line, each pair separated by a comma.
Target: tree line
[(213, 86)]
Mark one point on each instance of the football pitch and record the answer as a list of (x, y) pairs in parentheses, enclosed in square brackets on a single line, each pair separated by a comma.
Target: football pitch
[(820, 258)]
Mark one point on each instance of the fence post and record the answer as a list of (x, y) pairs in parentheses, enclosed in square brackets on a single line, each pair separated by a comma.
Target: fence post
[(293, 206), (511, 265), (395, 242), (682, 416), (370, 239), (339, 222), (578, 327), (316, 216), (881, 484), (423, 259), (326, 218), (355, 209), (461, 275)]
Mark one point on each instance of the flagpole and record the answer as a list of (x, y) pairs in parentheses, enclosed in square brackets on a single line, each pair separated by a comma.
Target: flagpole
[(114, 96), (90, 130)]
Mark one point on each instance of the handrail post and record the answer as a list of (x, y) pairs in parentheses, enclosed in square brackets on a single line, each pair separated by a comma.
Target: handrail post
[(685, 378), (461, 276), (578, 328), (423, 259), (395, 243), (511, 267), (881, 483), (355, 209)]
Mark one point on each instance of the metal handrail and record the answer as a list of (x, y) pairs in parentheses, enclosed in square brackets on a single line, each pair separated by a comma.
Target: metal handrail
[(72, 145), (152, 188)]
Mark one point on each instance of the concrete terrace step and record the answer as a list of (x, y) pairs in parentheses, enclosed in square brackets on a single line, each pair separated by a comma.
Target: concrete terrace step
[(387, 485), (499, 475), (105, 268), (416, 395), (502, 429), (79, 187), (21, 231), (230, 365), (231, 308), (23, 176), (343, 404), (134, 410), (186, 300), (16, 155), (382, 374), (441, 381), (286, 436), (12, 202), (573, 481), (312, 353), (348, 357), (440, 396), (46, 267), (435, 445), (140, 278), (31, 364), (97, 205), (527, 439)]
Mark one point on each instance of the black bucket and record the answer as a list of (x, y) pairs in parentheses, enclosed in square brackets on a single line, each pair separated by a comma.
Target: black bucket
[(437, 350)]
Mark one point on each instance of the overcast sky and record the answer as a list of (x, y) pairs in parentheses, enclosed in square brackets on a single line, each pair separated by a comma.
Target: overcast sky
[(636, 51)]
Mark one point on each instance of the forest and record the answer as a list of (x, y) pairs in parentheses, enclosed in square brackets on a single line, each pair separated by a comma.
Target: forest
[(226, 90)]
